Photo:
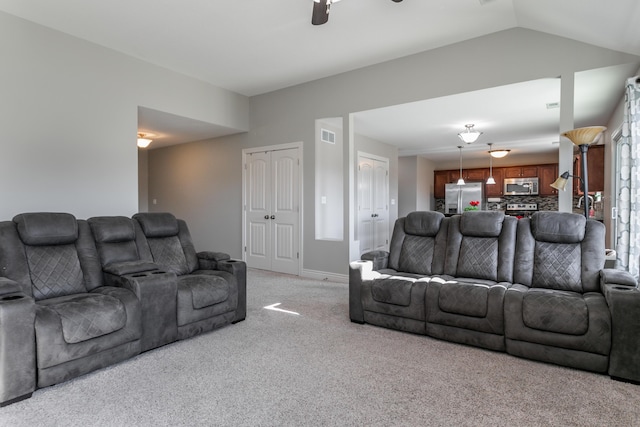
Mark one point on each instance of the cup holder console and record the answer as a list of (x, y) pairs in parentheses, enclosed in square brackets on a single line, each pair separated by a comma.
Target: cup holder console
[(148, 273), (11, 297), (624, 288)]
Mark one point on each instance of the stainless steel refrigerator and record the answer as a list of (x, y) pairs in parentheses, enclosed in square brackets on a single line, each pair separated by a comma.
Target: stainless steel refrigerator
[(458, 197)]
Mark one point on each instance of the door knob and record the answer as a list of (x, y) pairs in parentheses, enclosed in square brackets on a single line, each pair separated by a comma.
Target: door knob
[(273, 217), (266, 217)]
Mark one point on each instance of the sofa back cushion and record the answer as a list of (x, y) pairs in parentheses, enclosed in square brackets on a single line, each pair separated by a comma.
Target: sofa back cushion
[(417, 244), (560, 251), (481, 245), (115, 239), (49, 241), (168, 241)]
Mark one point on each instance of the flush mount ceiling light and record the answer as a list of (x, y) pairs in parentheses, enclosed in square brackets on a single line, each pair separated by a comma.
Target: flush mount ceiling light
[(321, 10), (469, 135), (143, 140), (498, 154)]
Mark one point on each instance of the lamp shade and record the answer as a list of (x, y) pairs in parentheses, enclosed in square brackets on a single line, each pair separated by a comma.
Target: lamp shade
[(561, 182), (584, 136), (491, 180), (498, 154)]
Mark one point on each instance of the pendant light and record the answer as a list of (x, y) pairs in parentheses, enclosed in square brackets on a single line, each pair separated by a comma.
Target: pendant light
[(460, 179), (490, 180)]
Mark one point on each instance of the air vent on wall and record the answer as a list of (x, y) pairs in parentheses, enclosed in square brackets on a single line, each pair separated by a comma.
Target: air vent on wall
[(327, 136)]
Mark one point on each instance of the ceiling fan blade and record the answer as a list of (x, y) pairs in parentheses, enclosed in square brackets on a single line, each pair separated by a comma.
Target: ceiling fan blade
[(397, 1), (320, 12)]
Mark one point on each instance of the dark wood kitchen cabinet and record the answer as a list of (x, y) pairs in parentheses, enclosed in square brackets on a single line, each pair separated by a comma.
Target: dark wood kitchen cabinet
[(440, 178), (547, 174), (521, 172), (495, 190)]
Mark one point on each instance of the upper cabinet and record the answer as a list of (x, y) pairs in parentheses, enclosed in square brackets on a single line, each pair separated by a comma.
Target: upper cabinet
[(521, 172), (547, 174)]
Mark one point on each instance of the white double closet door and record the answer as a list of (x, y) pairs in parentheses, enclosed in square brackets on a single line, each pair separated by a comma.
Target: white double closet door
[(373, 206), (272, 210)]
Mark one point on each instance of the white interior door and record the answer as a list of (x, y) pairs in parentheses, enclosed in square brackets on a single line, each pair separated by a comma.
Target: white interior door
[(272, 213), (373, 207)]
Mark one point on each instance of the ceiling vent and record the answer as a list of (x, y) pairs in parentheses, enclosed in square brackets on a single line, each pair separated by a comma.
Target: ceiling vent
[(327, 136)]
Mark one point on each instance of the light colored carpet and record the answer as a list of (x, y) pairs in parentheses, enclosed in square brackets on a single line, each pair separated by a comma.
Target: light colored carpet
[(317, 368)]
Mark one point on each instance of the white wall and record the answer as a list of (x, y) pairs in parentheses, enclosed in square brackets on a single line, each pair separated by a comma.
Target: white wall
[(407, 185), (289, 115), (68, 115), (68, 120)]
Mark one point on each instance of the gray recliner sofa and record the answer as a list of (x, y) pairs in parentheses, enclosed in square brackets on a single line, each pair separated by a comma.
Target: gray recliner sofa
[(78, 295), (535, 288)]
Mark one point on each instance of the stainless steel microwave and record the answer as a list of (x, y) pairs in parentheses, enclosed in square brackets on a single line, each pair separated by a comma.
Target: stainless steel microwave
[(521, 187)]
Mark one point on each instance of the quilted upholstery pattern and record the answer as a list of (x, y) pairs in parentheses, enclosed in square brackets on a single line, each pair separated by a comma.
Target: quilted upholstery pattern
[(395, 291), (416, 254), (87, 316), (168, 252), (478, 258), (555, 311), (206, 290), (465, 299), (557, 266), (55, 271)]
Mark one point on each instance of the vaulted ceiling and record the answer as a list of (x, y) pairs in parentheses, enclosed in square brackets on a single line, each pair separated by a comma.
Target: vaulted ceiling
[(257, 46)]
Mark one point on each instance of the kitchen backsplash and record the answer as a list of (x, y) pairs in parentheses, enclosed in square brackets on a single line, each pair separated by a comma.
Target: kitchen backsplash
[(545, 203)]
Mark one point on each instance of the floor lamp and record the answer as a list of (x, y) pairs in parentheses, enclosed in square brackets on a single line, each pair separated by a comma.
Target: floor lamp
[(583, 138)]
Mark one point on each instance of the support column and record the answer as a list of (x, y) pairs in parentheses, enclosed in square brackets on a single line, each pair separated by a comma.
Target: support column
[(565, 149)]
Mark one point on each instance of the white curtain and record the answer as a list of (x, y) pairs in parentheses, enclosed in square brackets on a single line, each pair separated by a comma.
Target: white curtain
[(628, 249)]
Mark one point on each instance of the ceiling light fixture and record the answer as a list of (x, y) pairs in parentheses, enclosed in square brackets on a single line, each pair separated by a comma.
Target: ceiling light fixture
[(490, 180), (469, 135), (321, 10), (143, 140), (498, 154), (460, 179)]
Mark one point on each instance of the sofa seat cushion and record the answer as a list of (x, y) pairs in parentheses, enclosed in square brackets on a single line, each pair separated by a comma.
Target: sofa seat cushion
[(555, 311), (395, 295), (86, 316), (463, 298), (205, 290), (201, 296), (466, 304), (393, 290), (52, 347), (536, 320)]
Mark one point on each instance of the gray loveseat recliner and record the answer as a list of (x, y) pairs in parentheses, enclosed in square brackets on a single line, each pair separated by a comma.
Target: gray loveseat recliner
[(77, 295), (535, 288)]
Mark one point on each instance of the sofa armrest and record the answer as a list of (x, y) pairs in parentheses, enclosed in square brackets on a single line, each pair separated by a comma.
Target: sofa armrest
[(8, 286), (359, 272), (208, 260), (239, 271), (624, 305), (616, 277), (18, 349), (157, 292), (380, 259)]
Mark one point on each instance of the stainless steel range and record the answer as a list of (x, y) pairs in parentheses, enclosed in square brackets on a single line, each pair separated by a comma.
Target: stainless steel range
[(521, 210)]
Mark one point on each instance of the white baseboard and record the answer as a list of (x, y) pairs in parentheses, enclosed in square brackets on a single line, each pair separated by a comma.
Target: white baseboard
[(323, 275)]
